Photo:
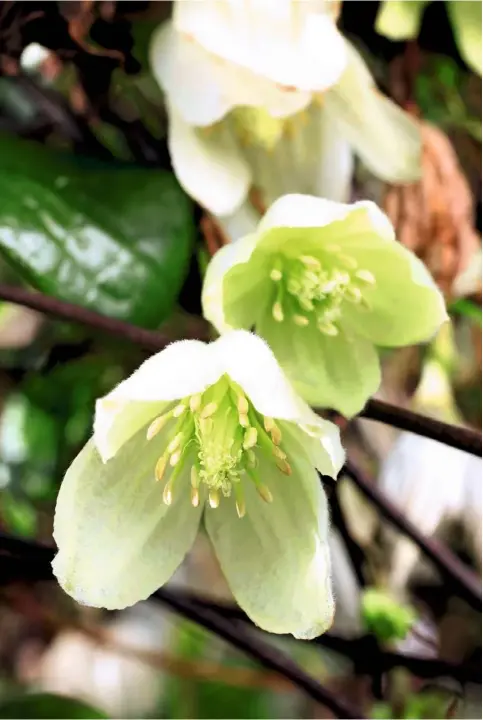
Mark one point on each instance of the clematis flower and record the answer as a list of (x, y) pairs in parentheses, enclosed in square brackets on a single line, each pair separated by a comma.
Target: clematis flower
[(324, 283), (272, 95), (401, 20), (211, 433)]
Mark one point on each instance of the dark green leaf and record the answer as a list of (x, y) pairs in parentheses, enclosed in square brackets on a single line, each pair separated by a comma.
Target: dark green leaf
[(111, 237), (44, 705)]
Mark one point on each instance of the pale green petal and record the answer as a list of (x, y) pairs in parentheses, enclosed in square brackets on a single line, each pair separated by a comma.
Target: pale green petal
[(387, 139), (276, 559), (242, 222), (400, 19), (465, 16), (118, 542), (179, 370), (406, 307), (339, 372), (335, 161), (235, 286), (280, 40), (249, 361), (208, 164), (321, 444)]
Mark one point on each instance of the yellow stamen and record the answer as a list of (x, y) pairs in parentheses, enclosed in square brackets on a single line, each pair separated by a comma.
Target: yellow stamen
[(175, 443), (300, 320), (268, 423), (264, 493), (242, 405), (195, 402), (179, 410), (366, 276), (284, 467), (157, 425), (243, 420), (276, 434), (214, 498), (175, 457), (250, 439), (195, 497), (277, 312), (160, 467), (209, 410), (168, 494)]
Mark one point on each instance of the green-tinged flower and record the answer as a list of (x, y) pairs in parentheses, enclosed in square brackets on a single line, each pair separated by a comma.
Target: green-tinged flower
[(401, 20), (212, 432), (273, 96), (323, 283), (385, 617)]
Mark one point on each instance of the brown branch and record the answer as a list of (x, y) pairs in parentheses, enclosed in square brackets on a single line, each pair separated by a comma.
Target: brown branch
[(450, 566)]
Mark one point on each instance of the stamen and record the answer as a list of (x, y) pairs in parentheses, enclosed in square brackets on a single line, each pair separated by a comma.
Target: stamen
[(243, 420), (353, 294), (348, 261), (365, 276), (175, 443), (268, 423), (264, 493), (277, 311), (276, 275), (168, 494), (179, 410), (284, 466), (310, 262), (300, 320), (306, 304), (214, 498), (160, 467), (251, 459), (206, 425), (195, 478), (279, 453), (195, 497), (276, 434), (157, 425), (175, 457), (209, 410), (239, 501), (328, 329), (250, 439), (195, 402), (242, 405)]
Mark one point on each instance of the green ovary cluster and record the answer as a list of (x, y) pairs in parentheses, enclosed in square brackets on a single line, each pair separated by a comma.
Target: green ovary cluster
[(313, 290), (221, 435)]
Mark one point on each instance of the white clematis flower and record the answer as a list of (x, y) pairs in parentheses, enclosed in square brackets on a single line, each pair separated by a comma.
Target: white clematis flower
[(239, 118), (212, 432)]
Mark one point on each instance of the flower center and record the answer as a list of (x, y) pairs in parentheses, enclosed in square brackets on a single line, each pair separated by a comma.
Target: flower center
[(308, 289), (221, 434)]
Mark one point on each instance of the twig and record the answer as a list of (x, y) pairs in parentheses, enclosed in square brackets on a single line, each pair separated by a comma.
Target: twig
[(447, 562), (461, 438), (266, 655), (457, 437)]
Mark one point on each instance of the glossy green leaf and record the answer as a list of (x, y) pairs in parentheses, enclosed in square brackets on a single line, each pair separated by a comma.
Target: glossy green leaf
[(113, 237), (45, 705)]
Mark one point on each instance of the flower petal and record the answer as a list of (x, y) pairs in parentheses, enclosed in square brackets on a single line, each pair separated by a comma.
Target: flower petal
[(249, 361), (400, 19), (339, 372), (385, 137), (405, 305), (335, 167), (179, 370), (118, 542), (234, 286), (465, 19), (276, 558), (278, 40), (322, 446), (210, 167)]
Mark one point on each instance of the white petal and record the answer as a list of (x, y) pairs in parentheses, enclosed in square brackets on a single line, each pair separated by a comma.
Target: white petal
[(295, 44), (248, 360), (333, 175), (118, 542), (385, 137), (242, 222), (189, 76), (179, 370), (320, 443), (211, 167), (276, 558)]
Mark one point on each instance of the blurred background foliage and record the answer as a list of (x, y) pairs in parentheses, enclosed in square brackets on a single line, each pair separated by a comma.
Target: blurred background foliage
[(92, 214)]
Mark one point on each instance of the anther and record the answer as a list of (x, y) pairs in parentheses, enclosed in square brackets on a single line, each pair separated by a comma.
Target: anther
[(268, 423), (306, 304), (354, 295), (168, 494), (243, 420), (250, 439), (310, 262), (175, 457), (332, 248), (214, 498), (284, 466), (195, 478), (175, 443), (242, 405), (209, 410), (157, 425), (276, 275), (160, 467), (251, 459), (279, 453), (264, 493), (328, 329), (276, 435), (366, 276), (240, 507), (277, 311), (195, 402), (206, 425), (179, 410), (300, 320), (195, 497)]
